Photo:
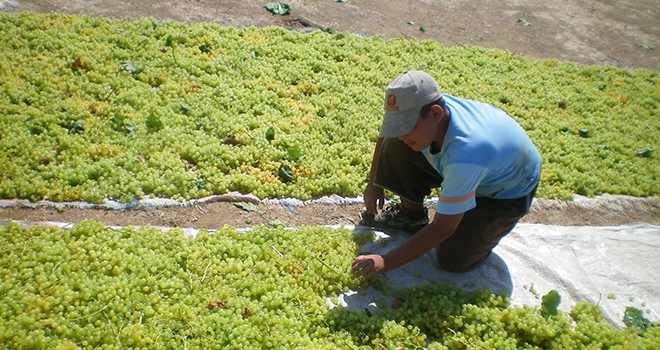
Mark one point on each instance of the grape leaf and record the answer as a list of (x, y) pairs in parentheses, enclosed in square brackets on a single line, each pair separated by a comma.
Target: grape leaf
[(131, 67), (270, 134), (120, 124), (118, 120), (634, 317), (549, 304), (247, 206), (645, 152), (285, 173), (77, 128), (278, 8), (216, 305), (153, 122), (128, 127), (294, 153), (77, 65), (278, 223)]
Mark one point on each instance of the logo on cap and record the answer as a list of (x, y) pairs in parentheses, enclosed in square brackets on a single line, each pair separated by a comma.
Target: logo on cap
[(391, 103)]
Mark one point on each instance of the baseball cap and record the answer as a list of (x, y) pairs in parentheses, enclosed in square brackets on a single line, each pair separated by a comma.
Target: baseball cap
[(404, 98)]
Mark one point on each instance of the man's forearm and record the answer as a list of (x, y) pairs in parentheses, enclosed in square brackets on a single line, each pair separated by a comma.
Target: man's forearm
[(374, 161), (423, 241)]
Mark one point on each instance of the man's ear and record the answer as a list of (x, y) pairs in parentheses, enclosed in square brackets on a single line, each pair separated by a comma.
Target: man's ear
[(437, 112)]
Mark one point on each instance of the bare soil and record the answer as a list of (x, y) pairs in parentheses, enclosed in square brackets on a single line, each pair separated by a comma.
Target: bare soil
[(622, 33)]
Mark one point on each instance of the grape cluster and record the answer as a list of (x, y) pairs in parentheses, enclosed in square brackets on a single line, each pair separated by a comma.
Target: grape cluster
[(95, 108), (482, 320), (94, 286), (90, 286)]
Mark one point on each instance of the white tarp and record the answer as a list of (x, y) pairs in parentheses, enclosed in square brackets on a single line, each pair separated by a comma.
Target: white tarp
[(614, 267)]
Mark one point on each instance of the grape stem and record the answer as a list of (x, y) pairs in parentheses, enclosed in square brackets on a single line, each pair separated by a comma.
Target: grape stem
[(94, 313), (278, 252), (205, 270)]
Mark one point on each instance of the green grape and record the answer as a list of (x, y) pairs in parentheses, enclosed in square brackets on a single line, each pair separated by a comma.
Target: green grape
[(321, 92)]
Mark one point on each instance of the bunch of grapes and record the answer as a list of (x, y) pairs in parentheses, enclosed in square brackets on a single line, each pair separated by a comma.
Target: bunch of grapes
[(90, 286), (95, 109), (94, 286)]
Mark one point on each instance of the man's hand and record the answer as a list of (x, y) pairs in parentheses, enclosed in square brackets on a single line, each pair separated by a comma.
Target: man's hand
[(374, 198), (368, 266)]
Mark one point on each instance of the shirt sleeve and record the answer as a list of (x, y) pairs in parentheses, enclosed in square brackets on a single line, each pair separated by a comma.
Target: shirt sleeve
[(459, 188)]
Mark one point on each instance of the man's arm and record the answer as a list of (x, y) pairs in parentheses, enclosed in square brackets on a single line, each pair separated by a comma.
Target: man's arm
[(442, 227), (374, 197)]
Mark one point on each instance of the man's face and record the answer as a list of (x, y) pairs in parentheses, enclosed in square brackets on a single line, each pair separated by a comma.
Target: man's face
[(423, 133)]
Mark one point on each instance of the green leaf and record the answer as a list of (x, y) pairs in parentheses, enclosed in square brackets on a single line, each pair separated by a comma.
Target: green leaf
[(524, 22), (369, 314), (153, 122), (129, 127), (645, 152), (330, 135), (634, 317), (270, 134), (118, 120), (278, 223), (77, 128), (120, 124), (549, 304), (285, 173), (295, 154), (168, 40), (278, 8), (131, 67), (247, 206)]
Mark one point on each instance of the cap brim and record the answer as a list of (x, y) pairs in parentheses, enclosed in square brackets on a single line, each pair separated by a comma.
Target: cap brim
[(398, 124)]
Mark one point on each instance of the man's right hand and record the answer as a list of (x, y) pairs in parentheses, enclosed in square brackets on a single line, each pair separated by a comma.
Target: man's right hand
[(374, 198)]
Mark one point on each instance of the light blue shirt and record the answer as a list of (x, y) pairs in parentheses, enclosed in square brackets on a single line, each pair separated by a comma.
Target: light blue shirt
[(485, 154)]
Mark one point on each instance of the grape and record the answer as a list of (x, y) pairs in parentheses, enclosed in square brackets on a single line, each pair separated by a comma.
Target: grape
[(80, 94), (92, 286)]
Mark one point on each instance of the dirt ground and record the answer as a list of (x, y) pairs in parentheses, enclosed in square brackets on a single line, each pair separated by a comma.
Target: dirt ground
[(622, 33)]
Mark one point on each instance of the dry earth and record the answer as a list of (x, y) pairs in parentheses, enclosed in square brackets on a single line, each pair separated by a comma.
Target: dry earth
[(621, 33)]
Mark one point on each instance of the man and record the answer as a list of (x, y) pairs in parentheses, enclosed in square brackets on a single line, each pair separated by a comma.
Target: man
[(482, 159)]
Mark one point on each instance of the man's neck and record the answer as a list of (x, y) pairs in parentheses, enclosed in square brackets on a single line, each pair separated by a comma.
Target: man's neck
[(436, 145)]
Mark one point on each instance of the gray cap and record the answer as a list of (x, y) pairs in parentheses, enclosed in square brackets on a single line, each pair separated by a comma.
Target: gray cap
[(404, 98)]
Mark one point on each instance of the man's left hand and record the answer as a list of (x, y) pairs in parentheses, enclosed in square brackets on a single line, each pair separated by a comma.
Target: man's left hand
[(368, 266)]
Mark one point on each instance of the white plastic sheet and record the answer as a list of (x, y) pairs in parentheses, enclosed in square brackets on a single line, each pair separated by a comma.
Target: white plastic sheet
[(614, 267)]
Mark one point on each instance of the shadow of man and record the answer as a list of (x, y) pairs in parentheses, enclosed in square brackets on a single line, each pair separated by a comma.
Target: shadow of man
[(492, 274)]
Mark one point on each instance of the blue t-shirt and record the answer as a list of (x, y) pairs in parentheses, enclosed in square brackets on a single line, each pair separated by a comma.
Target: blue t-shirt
[(485, 153)]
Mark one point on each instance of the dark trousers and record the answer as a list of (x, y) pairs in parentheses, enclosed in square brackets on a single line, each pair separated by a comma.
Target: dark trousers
[(408, 174)]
